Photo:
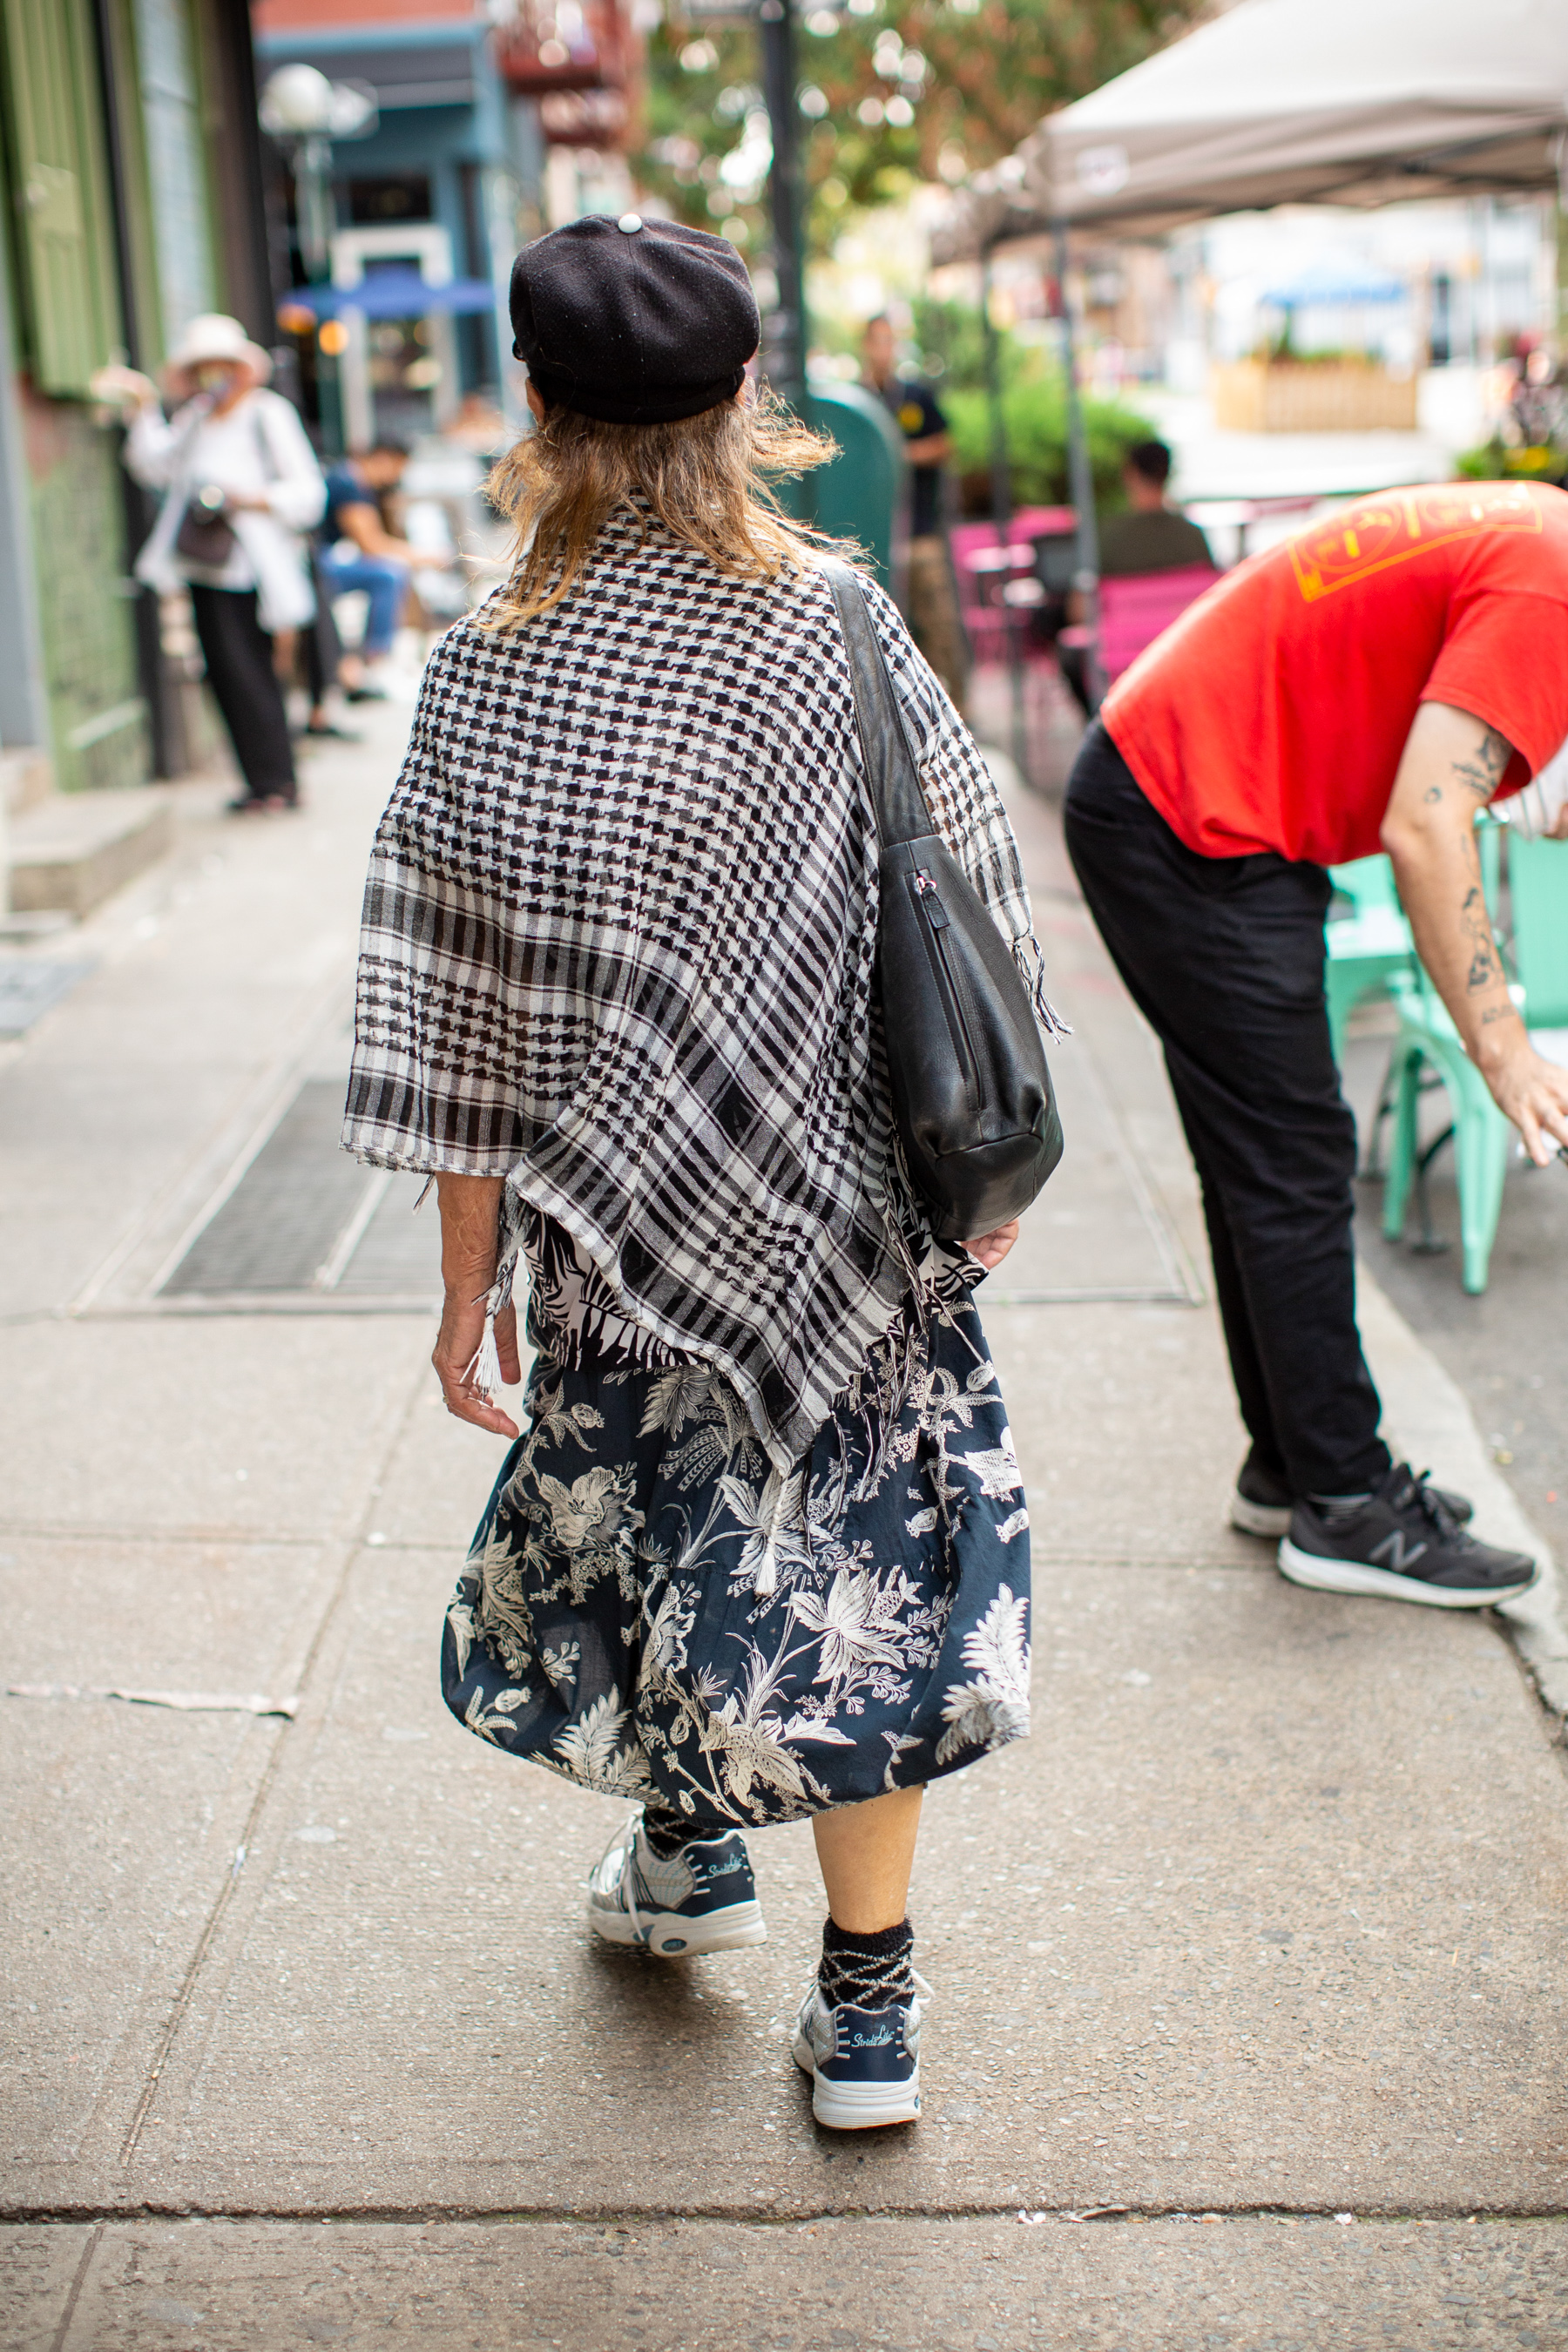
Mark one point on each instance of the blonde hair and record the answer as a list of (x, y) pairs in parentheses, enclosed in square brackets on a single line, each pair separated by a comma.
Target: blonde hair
[(708, 479)]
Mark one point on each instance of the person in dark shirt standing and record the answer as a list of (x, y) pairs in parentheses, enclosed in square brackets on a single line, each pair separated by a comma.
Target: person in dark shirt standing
[(1151, 536), (933, 600)]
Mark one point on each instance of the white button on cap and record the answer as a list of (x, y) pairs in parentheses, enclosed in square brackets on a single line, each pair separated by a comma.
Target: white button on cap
[(629, 222)]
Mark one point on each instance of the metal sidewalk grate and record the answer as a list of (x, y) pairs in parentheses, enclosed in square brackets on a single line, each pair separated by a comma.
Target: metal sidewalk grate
[(29, 985), (305, 1221)]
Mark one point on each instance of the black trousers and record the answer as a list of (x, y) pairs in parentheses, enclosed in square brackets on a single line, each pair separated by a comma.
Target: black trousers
[(238, 654), (1224, 958)]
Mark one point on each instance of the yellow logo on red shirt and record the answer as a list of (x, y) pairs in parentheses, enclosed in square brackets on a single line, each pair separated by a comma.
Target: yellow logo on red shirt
[(1391, 528)]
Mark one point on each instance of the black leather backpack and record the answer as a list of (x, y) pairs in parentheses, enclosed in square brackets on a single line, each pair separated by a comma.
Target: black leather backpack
[(971, 1093)]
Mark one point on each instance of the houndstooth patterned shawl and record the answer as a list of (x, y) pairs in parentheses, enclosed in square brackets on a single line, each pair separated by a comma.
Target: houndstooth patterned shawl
[(619, 948)]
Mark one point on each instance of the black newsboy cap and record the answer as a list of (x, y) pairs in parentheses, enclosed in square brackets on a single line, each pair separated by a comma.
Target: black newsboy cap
[(637, 321)]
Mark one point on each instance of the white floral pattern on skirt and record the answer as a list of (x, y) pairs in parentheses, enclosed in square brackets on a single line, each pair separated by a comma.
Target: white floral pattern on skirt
[(607, 1623)]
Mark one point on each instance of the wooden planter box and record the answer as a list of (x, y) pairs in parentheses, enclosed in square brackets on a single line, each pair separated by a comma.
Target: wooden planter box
[(1250, 397)]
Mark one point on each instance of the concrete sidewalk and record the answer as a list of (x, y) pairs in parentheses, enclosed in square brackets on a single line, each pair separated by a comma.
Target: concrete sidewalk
[(306, 2043)]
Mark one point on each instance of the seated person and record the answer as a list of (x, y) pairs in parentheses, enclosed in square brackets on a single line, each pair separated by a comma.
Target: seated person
[(358, 551), (1151, 536)]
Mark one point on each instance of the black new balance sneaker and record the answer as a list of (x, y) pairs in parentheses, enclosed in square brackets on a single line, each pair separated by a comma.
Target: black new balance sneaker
[(1401, 1544), (1262, 1503)]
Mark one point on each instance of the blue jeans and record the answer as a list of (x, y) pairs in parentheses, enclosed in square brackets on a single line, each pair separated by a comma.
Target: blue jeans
[(384, 580)]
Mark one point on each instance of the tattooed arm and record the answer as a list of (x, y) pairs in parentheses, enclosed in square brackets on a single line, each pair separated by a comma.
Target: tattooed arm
[(1452, 766)]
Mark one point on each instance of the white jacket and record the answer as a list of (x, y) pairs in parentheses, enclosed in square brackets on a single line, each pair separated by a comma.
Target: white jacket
[(259, 448)]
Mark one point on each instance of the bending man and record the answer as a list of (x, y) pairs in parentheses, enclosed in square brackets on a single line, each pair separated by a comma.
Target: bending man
[(1374, 681)]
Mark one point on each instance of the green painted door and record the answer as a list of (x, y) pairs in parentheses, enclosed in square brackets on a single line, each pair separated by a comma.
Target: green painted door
[(57, 192)]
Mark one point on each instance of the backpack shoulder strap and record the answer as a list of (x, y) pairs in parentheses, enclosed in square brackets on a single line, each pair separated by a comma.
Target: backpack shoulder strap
[(901, 805)]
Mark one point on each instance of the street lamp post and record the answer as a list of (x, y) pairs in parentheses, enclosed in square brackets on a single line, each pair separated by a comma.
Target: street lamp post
[(786, 356), (305, 113)]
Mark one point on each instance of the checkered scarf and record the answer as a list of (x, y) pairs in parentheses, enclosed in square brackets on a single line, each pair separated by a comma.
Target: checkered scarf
[(619, 948)]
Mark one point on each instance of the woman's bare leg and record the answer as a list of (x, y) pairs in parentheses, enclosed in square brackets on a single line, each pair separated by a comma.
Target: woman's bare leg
[(865, 1852)]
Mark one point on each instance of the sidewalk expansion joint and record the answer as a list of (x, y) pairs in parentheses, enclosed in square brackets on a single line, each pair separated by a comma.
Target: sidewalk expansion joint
[(245, 1850), (171, 2208)]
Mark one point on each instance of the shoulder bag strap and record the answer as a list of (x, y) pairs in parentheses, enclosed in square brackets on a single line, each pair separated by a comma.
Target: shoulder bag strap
[(900, 803)]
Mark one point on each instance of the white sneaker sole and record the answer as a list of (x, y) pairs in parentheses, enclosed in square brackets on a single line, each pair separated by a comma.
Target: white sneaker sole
[(1271, 1520), (1380, 1583), (857, 2107), (673, 1937)]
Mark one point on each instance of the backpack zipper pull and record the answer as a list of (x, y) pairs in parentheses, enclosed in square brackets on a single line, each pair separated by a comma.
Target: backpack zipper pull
[(936, 913)]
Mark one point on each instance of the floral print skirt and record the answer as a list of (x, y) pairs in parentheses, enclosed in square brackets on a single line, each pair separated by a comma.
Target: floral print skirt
[(614, 1621)]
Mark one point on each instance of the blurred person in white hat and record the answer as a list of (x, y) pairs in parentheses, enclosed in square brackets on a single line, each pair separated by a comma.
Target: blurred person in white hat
[(241, 484)]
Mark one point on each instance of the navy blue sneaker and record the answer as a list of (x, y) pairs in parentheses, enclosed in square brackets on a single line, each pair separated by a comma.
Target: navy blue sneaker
[(702, 1899), (865, 2063)]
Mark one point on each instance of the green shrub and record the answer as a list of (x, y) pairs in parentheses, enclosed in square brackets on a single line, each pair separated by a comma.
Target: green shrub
[(1494, 461), (1033, 407)]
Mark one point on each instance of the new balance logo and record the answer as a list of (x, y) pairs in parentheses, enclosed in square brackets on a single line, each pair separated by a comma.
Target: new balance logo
[(1401, 1554)]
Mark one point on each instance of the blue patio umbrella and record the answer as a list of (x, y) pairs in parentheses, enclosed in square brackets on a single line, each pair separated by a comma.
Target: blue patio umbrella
[(1331, 280), (395, 294)]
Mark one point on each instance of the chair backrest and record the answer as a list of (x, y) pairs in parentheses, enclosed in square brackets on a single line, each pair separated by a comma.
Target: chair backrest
[(1538, 888), (1135, 607), (967, 539), (1041, 522), (1368, 884)]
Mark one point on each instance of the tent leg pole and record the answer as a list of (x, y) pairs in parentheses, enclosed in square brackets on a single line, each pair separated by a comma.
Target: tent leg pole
[(1081, 480), (1002, 507)]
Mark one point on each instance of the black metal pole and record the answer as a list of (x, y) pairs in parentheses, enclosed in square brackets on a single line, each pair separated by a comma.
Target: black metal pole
[(1080, 477), (160, 689), (1001, 510), (785, 347)]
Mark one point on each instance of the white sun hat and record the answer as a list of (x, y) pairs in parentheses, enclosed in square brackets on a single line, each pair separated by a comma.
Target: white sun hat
[(216, 336)]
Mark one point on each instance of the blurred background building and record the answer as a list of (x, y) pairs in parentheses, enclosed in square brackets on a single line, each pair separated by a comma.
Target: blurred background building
[(133, 185)]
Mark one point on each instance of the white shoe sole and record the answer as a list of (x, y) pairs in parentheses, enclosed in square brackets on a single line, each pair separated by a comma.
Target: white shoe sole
[(1271, 1520), (1380, 1584), (857, 2107), (673, 1937)]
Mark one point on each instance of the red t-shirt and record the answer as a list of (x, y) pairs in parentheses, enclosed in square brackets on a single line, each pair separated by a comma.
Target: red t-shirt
[(1273, 714)]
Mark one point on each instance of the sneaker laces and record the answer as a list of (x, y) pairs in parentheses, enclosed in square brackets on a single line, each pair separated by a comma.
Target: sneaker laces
[(1413, 1493)]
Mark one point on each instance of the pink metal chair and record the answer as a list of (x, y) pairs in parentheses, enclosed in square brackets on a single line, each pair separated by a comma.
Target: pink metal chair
[(1137, 608), (982, 587)]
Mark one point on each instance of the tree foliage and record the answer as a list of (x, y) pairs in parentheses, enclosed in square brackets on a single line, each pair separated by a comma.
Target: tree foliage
[(892, 92)]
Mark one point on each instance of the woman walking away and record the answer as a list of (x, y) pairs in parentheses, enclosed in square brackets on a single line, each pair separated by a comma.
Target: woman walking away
[(762, 1553), (241, 484)]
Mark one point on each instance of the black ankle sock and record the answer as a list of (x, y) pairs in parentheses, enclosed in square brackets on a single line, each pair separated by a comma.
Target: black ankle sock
[(666, 1833), (867, 1971)]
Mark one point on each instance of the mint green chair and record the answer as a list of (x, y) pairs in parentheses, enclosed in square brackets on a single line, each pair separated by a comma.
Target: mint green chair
[(1483, 1138), (1537, 890), (1369, 947)]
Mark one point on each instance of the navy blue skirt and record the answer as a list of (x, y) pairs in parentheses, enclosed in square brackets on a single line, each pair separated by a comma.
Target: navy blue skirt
[(651, 1610)]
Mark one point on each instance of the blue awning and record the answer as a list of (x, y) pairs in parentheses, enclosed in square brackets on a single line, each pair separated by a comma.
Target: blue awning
[(394, 294), (1330, 281)]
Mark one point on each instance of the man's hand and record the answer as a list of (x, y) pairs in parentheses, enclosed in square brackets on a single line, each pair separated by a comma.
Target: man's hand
[(470, 1206), (1533, 1093), (1452, 766), (993, 1247)]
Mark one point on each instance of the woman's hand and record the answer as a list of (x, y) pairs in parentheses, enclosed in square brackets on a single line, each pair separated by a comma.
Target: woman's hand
[(122, 386), (457, 1345), (992, 1248), (471, 1208)]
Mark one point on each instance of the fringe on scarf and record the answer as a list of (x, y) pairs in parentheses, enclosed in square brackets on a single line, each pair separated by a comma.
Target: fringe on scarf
[(483, 1368), (1031, 964)]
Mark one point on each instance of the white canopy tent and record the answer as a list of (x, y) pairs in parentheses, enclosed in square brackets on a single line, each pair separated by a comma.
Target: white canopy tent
[(1358, 102), (1354, 102)]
